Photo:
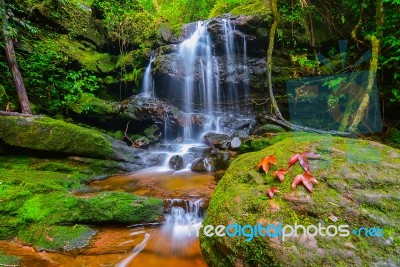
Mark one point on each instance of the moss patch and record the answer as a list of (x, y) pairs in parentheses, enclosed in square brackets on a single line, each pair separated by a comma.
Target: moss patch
[(8, 260), (53, 135), (37, 204)]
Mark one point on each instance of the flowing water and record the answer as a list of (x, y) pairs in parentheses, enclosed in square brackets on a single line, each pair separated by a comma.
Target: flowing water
[(186, 194)]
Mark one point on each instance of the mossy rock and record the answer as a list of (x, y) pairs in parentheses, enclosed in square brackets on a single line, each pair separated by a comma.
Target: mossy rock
[(358, 185), (73, 16), (8, 260), (53, 135), (89, 104), (57, 237), (86, 56), (268, 128), (118, 207), (37, 191)]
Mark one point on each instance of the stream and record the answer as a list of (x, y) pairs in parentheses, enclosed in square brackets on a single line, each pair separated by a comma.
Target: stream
[(170, 243)]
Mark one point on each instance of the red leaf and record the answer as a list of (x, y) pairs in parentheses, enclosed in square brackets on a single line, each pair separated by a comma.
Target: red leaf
[(306, 179), (280, 174), (308, 185), (265, 162), (271, 191), (303, 159), (293, 159), (297, 180)]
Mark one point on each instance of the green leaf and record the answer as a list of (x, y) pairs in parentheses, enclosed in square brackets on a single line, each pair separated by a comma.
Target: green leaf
[(364, 5)]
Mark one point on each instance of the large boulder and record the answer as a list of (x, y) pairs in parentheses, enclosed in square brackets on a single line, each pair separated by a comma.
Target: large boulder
[(358, 181), (46, 134), (149, 111)]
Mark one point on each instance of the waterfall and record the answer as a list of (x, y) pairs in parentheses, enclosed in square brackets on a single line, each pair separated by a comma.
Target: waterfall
[(246, 75), (182, 221), (198, 61), (207, 82), (148, 82)]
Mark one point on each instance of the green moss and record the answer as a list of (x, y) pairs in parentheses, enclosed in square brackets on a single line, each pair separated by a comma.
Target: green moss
[(252, 7), (361, 170), (53, 135), (35, 199), (90, 104), (87, 57), (8, 260), (53, 238)]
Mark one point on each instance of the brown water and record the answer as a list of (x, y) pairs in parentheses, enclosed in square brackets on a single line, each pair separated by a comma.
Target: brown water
[(148, 246)]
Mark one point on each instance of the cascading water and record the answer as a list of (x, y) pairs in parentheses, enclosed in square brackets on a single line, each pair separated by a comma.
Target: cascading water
[(148, 82), (182, 222)]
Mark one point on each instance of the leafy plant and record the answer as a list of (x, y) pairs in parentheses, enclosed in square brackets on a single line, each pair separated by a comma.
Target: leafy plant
[(52, 78)]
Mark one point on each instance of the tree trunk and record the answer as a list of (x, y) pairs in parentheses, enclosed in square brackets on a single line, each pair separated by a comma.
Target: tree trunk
[(12, 63), (275, 13), (376, 44)]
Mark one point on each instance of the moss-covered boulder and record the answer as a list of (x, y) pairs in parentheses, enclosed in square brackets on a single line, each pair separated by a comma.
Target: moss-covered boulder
[(53, 135), (358, 185), (38, 207)]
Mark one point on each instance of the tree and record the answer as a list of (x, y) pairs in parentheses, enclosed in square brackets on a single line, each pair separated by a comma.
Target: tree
[(277, 116), (376, 44), (12, 60)]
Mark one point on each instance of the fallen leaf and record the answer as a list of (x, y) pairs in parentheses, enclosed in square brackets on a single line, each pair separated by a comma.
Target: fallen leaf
[(271, 191), (306, 179), (280, 174), (303, 159), (265, 162), (293, 159)]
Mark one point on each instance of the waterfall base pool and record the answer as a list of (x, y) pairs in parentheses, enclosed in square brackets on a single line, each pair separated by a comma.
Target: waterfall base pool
[(166, 244)]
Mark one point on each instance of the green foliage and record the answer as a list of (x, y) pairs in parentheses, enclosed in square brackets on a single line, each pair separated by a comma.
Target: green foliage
[(52, 80)]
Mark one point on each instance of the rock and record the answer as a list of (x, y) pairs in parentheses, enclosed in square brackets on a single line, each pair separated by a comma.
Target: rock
[(215, 139), (200, 152), (176, 162), (235, 143), (367, 199), (153, 133), (53, 135), (268, 128), (226, 145), (198, 165), (98, 112), (217, 161), (140, 109), (241, 134)]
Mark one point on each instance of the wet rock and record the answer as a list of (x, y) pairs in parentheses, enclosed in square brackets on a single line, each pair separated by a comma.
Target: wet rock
[(200, 152), (226, 145), (235, 143), (141, 109), (216, 140), (240, 134), (217, 161), (176, 162), (153, 133), (198, 165)]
